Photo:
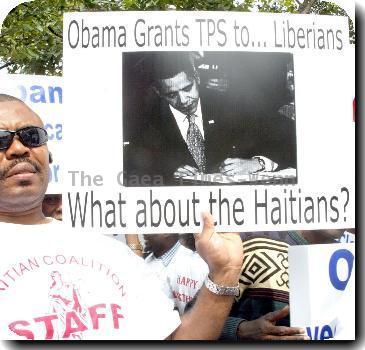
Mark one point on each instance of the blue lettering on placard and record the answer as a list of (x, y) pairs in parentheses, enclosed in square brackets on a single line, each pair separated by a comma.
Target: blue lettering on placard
[(335, 258), (314, 335), (54, 173), (54, 131), (51, 92), (326, 332), (23, 92), (39, 94)]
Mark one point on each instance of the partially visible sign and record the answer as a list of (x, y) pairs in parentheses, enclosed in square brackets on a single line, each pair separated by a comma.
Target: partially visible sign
[(322, 290), (265, 163)]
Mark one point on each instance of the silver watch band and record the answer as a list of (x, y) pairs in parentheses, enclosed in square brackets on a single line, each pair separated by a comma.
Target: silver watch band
[(221, 290)]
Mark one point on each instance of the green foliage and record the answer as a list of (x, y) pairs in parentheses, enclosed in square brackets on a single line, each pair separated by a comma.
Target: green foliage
[(278, 6), (31, 38), (329, 8)]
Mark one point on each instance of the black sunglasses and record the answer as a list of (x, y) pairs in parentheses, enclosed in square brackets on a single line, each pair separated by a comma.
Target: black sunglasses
[(30, 136)]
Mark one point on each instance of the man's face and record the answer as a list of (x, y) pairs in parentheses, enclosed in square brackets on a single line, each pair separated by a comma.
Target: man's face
[(52, 206), (153, 242), (331, 234), (23, 170), (181, 92)]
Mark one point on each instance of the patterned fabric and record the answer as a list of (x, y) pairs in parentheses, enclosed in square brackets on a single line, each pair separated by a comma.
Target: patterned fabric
[(195, 142), (264, 274), (265, 266)]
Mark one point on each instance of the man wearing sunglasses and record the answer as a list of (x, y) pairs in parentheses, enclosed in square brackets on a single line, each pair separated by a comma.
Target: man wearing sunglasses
[(24, 163)]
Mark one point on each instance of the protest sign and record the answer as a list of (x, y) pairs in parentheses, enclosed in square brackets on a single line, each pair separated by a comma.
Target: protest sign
[(94, 288), (283, 70), (271, 97), (322, 290), (44, 95)]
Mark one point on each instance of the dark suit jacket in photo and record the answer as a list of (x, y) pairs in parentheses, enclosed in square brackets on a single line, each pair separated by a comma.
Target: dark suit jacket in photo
[(156, 147)]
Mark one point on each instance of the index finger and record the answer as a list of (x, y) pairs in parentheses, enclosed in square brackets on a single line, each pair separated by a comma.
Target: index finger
[(285, 337)]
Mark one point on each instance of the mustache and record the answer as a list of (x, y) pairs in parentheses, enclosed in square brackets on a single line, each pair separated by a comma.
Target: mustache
[(4, 172)]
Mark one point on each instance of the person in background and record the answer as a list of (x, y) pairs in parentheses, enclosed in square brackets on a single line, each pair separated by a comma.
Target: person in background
[(52, 206), (261, 311), (182, 272), (188, 241), (133, 242), (24, 174)]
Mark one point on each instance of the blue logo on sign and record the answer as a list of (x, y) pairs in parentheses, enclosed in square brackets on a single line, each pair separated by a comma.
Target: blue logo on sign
[(335, 258)]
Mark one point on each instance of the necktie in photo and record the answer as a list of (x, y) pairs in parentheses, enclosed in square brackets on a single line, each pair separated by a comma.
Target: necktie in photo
[(195, 142)]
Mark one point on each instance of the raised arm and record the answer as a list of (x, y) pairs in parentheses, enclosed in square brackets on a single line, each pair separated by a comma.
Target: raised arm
[(223, 254)]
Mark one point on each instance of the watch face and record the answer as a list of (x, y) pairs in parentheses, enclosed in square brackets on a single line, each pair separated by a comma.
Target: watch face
[(261, 162)]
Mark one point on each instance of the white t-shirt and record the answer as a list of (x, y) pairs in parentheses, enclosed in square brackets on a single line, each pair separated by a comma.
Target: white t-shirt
[(51, 221), (182, 273), (58, 285)]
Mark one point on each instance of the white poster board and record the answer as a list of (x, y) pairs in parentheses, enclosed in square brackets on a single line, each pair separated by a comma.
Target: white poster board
[(320, 193), (322, 290)]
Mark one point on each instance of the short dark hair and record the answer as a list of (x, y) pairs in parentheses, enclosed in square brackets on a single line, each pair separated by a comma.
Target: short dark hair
[(165, 65)]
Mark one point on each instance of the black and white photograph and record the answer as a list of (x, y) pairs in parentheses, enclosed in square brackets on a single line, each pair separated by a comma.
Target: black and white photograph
[(208, 118)]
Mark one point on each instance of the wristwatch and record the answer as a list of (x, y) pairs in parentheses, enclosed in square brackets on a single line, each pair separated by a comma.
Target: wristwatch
[(261, 162), (221, 290)]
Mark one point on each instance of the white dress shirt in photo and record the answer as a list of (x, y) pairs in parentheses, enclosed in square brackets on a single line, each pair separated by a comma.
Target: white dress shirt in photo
[(183, 122)]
